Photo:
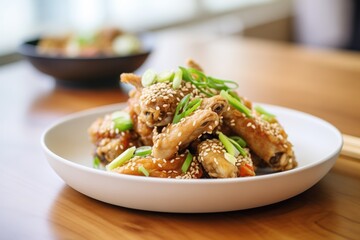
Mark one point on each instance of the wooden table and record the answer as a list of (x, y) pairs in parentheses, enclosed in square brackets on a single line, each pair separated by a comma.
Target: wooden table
[(36, 204)]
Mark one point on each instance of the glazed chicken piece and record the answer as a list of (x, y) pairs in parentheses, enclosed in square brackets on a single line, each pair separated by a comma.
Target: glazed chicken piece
[(266, 140), (109, 143), (175, 137), (211, 154), (217, 104), (154, 106), (145, 132), (157, 103), (158, 167)]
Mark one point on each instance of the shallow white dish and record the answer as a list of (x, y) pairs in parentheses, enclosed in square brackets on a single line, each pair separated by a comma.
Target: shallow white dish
[(67, 147)]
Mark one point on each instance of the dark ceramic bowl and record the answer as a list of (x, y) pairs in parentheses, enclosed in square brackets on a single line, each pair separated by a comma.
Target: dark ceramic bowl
[(82, 71)]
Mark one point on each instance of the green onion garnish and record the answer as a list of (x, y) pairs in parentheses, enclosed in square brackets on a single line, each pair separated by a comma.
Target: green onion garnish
[(121, 159), (238, 147), (148, 78), (185, 108), (165, 76), (177, 79), (143, 151), (230, 158), (269, 117), (230, 148), (143, 170), (234, 95), (187, 162), (239, 140), (236, 103), (96, 162), (122, 120), (206, 84)]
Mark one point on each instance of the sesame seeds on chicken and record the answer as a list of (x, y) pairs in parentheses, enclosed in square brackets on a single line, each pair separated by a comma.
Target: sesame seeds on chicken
[(189, 125)]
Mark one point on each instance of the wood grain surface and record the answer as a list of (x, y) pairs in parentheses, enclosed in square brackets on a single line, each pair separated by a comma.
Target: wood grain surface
[(36, 204)]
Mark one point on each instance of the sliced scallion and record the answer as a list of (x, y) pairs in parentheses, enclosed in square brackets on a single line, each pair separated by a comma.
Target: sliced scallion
[(238, 147), (230, 148), (96, 162), (239, 140), (193, 105), (177, 79), (230, 158), (185, 108), (236, 103), (143, 151), (165, 76), (269, 117), (143, 170), (121, 159), (234, 95), (206, 84), (187, 162), (122, 120), (148, 78)]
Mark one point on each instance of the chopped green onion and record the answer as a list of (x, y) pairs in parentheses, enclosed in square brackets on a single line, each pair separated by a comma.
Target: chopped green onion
[(187, 162), (143, 170), (182, 104), (193, 105), (121, 159), (148, 78), (269, 117), (230, 148), (96, 162), (184, 108), (122, 120), (239, 140), (143, 151), (238, 147), (234, 95), (177, 79), (263, 111), (230, 158), (165, 76), (236, 104), (206, 84)]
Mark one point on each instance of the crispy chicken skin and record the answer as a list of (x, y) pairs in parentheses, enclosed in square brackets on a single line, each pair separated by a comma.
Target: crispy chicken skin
[(155, 105), (175, 137), (211, 155), (108, 142), (267, 140), (158, 167), (217, 104)]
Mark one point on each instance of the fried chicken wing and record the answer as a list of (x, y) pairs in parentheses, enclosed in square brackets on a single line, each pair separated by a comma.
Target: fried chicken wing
[(109, 142), (158, 167), (211, 155), (268, 140), (175, 137)]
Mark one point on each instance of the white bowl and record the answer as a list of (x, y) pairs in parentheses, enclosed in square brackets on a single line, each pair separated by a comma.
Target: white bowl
[(68, 149)]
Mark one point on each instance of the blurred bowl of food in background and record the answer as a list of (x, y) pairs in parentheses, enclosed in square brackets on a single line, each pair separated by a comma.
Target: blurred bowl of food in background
[(90, 60)]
